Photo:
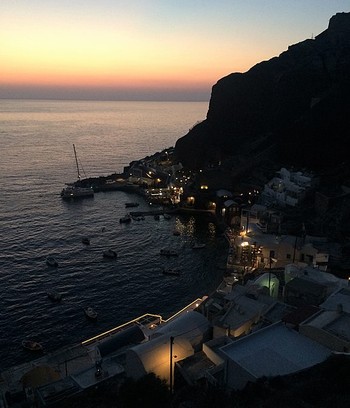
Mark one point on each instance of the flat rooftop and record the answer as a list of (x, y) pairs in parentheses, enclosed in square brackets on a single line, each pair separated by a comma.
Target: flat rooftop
[(275, 350), (340, 297)]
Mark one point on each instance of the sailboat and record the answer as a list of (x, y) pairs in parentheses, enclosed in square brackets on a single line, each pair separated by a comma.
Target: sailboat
[(74, 190)]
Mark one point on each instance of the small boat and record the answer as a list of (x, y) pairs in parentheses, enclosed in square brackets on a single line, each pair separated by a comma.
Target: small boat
[(137, 218), (54, 296), (127, 218), (32, 345), (171, 271), (198, 246), (131, 205), (168, 252), (166, 216), (85, 240), (90, 313), (109, 253), (176, 232), (51, 261)]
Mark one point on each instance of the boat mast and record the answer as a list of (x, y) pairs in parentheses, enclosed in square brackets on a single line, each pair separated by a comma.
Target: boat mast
[(76, 161)]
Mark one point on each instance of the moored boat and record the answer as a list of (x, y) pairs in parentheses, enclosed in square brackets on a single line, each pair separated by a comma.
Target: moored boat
[(126, 219), (168, 252), (198, 245), (54, 295), (90, 313), (109, 253), (75, 190), (135, 218), (131, 205), (85, 240), (72, 191), (32, 345), (171, 271), (51, 261)]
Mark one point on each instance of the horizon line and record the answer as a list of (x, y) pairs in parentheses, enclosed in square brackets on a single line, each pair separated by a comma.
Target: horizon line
[(100, 99)]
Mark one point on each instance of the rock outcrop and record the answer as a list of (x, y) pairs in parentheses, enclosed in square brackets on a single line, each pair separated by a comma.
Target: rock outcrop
[(294, 108)]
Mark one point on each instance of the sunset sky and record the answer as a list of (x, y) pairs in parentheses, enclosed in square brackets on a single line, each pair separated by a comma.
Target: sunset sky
[(145, 49)]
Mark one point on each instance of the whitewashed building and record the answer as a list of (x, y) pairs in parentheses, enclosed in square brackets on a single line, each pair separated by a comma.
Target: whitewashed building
[(287, 188)]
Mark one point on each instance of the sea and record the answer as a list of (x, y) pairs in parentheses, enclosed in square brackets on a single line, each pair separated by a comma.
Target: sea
[(36, 160)]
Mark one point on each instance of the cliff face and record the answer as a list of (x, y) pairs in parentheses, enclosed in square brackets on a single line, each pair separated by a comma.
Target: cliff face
[(298, 102)]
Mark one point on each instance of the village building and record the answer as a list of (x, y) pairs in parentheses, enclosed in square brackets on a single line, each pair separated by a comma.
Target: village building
[(273, 351), (288, 188), (331, 328), (174, 341), (341, 297)]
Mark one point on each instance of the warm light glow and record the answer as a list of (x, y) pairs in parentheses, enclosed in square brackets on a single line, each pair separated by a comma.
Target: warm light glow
[(147, 45), (190, 200), (77, 48), (118, 328), (190, 306)]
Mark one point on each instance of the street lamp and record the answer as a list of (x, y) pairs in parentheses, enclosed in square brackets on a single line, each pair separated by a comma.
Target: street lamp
[(271, 259), (171, 364)]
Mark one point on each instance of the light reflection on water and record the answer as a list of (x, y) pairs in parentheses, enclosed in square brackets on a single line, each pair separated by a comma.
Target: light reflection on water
[(36, 160)]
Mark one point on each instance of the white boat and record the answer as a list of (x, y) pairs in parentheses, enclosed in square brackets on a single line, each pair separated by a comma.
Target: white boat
[(109, 253), (32, 345), (51, 261), (90, 313), (74, 190)]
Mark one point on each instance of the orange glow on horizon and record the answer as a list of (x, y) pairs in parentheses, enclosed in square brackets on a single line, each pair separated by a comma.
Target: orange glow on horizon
[(140, 44), (52, 54), (94, 81), (157, 78)]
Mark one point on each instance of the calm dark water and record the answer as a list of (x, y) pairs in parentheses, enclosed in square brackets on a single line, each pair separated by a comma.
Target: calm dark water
[(36, 159)]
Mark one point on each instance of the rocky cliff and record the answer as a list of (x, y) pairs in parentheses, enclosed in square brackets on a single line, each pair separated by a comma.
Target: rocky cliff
[(294, 108)]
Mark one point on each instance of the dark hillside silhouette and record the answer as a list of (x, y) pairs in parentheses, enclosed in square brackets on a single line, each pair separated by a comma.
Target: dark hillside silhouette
[(294, 107)]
